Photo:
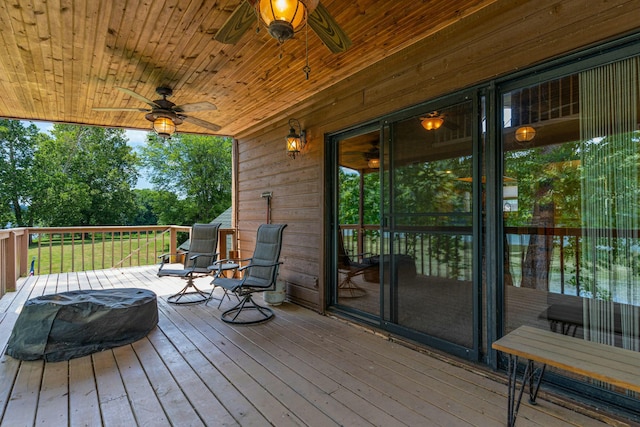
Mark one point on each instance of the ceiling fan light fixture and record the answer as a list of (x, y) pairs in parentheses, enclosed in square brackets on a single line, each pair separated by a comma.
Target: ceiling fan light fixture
[(164, 126), (432, 121), (283, 17), (525, 134), (374, 163)]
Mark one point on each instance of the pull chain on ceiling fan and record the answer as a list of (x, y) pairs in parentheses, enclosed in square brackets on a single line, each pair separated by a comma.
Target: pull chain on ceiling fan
[(283, 18)]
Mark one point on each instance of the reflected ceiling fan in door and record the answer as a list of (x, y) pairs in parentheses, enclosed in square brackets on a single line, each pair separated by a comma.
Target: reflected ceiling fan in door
[(283, 18), (164, 114)]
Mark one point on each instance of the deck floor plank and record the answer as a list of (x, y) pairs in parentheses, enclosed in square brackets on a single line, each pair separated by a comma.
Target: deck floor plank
[(315, 389), (201, 398), (414, 392), (146, 406), (8, 374), (332, 379), (299, 369), (23, 401), (340, 361), (335, 393), (53, 399), (285, 376), (84, 408), (265, 403), (112, 396), (174, 403), (205, 361)]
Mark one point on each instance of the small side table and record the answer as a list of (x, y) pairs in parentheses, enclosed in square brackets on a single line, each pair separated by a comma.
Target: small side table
[(223, 268), (219, 270)]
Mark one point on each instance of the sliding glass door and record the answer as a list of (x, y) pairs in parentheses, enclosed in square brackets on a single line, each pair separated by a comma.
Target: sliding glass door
[(407, 198), (428, 219), (571, 206)]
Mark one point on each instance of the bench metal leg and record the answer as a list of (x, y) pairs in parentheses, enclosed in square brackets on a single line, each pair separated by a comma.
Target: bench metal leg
[(531, 377)]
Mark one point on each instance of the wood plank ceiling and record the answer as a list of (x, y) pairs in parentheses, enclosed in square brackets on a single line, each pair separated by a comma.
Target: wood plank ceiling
[(59, 59)]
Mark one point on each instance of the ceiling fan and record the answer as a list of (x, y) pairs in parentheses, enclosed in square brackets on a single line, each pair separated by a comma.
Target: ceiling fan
[(283, 18), (164, 114), (372, 157)]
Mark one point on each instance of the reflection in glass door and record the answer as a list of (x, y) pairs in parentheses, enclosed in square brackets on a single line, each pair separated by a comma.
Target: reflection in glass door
[(428, 210), (404, 240), (358, 234), (571, 148)]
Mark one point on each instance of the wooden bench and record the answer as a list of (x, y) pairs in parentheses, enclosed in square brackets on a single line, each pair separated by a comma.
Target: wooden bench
[(614, 365)]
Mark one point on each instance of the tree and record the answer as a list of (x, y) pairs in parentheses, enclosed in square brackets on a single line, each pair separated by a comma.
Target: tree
[(84, 176), (350, 196), (17, 147), (197, 169), (145, 212), (548, 197)]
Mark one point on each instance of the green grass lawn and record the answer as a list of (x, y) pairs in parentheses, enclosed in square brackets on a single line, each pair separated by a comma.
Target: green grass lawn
[(96, 252)]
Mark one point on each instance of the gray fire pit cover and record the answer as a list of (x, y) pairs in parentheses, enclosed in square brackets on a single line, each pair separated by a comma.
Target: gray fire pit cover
[(73, 324)]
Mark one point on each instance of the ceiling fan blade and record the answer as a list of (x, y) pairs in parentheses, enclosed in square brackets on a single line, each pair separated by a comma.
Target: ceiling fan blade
[(328, 30), (238, 23), (201, 123), (196, 106), (143, 110), (140, 97)]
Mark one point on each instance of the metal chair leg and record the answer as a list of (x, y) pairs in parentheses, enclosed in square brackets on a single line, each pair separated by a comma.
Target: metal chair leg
[(247, 304)]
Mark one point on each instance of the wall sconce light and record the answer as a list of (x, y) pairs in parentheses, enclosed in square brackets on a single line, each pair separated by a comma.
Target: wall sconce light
[(432, 121), (525, 134), (296, 139)]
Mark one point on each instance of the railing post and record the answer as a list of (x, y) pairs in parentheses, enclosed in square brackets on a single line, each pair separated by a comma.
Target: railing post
[(24, 252), (11, 263), (222, 244), (173, 247)]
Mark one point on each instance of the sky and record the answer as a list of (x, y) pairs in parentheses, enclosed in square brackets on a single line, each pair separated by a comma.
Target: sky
[(136, 139)]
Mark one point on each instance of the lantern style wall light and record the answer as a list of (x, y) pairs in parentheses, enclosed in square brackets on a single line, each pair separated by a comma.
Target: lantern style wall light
[(432, 121), (296, 139), (525, 134)]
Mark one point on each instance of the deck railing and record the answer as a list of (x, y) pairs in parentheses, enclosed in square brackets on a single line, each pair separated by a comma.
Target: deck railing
[(26, 251)]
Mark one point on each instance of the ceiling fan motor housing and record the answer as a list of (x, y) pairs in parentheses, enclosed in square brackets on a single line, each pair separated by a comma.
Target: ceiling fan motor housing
[(164, 91)]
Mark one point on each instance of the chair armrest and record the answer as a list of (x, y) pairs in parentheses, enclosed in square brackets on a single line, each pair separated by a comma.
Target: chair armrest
[(229, 260), (364, 255), (194, 257), (165, 258), (260, 265)]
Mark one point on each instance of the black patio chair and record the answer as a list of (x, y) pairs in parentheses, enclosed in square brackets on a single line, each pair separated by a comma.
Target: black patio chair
[(350, 269), (201, 254), (260, 275)]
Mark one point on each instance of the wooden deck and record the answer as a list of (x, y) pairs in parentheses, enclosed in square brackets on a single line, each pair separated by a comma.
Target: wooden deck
[(299, 369)]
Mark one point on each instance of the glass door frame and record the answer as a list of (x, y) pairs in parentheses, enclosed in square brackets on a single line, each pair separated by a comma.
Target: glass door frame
[(476, 95), (331, 222)]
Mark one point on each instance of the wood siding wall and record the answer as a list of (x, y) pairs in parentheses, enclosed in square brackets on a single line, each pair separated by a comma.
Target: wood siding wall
[(504, 37)]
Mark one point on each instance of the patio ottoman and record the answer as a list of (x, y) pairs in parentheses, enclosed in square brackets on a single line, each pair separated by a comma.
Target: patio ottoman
[(72, 324)]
